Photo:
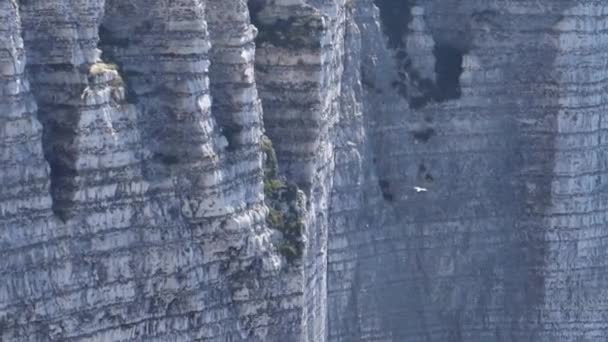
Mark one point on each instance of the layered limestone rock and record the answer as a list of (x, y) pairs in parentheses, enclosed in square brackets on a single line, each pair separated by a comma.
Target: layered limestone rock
[(302, 170), (91, 139), (26, 218), (299, 73), (25, 173), (157, 228), (472, 240)]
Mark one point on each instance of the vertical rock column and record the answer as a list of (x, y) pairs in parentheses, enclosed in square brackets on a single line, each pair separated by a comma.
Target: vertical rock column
[(25, 203), (235, 103), (97, 274), (91, 139), (290, 66), (24, 173), (162, 49), (214, 170), (266, 300), (299, 66), (576, 216)]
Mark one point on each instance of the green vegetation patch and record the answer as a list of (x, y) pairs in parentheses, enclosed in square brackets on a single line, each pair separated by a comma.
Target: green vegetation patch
[(286, 206)]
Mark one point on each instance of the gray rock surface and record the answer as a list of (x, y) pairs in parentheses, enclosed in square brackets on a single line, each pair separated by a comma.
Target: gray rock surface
[(303, 170)]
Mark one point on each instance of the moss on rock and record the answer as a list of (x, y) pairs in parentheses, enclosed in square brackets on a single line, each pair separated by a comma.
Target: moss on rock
[(286, 207)]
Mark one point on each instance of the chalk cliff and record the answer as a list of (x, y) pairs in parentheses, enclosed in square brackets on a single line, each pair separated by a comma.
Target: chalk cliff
[(303, 170)]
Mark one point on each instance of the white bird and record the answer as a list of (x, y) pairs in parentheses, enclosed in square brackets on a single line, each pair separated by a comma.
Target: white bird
[(419, 189)]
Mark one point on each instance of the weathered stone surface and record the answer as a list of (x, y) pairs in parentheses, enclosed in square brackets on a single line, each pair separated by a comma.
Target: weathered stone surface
[(492, 251), (303, 170)]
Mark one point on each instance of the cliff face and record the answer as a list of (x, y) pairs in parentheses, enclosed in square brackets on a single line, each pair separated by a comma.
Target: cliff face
[(290, 170), (506, 136)]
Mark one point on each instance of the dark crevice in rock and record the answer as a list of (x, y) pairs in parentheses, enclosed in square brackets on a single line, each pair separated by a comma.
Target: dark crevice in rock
[(232, 132), (107, 43), (167, 160), (58, 135), (57, 113), (394, 14), (424, 135), (293, 32), (421, 91), (255, 7), (448, 68), (424, 174), (107, 38), (385, 188), (409, 83), (421, 168)]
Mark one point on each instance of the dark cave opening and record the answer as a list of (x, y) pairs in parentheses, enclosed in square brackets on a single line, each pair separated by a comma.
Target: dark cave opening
[(395, 15), (232, 132), (423, 135), (298, 31), (448, 68), (255, 6), (385, 188), (62, 167)]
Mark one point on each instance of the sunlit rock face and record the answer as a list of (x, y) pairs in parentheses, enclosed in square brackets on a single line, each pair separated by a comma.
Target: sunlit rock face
[(303, 170)]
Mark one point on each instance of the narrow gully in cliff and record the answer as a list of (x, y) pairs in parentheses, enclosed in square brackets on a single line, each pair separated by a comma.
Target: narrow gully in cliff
[(448, 68), (418, 87)]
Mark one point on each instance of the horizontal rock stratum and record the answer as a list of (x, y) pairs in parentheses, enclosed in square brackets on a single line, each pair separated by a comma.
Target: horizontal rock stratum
[(303, 170)]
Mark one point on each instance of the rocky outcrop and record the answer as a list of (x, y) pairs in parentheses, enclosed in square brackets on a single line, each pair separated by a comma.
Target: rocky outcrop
[(302, 170)]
